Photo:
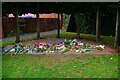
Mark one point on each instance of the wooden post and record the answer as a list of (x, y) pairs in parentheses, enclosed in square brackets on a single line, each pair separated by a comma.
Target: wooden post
[(58, 26), (98, 25), (38, 24), (61, 20), (1, 29), (117, 32), (78, 25), (17, 26)]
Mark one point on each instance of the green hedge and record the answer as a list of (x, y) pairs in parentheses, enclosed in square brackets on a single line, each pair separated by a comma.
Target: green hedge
[(88, 22)]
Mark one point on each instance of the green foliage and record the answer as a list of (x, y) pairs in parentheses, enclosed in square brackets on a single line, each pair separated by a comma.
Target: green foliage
[(108, 22), (66, 18), (88, 21)]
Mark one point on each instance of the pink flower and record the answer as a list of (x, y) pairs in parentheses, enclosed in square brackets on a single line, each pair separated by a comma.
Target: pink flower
[(39, 44)]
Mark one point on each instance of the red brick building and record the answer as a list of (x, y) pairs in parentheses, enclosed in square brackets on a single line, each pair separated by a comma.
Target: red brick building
[(47, 22)]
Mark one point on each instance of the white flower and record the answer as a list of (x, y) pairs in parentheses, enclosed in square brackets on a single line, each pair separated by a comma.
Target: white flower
[(62, 47), (80, 44), (52, 51), (102, 46), (77, 50), (74, 40), (80, 51), (40, 46), (12, 50)]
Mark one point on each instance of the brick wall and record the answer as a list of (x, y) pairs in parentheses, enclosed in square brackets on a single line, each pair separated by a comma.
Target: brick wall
[(46, 24)]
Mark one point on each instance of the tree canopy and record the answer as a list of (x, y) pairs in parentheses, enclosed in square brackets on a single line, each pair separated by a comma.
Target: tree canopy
[(54, 7)]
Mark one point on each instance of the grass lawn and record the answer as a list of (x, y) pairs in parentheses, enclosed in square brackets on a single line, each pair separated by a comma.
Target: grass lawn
[(60, 66), (0, 66)]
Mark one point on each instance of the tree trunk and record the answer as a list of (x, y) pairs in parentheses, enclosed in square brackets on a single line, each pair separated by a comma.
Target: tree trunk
[(58, 26), (117, 34), (72, 24), (78, 25), (61, 20), (38, 24), (98, 24), (17, 27), (1, 29)]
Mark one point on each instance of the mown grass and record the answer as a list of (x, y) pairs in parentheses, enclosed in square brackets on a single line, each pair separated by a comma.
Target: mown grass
[(60, 66), (0, 66)]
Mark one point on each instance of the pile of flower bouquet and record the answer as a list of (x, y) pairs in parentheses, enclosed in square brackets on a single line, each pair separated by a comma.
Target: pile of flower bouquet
[(66, 46)]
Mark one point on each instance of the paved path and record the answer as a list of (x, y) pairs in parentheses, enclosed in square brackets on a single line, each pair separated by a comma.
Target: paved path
[(29, 35)]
